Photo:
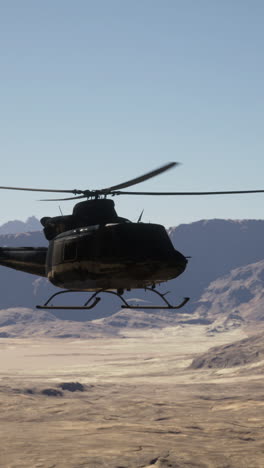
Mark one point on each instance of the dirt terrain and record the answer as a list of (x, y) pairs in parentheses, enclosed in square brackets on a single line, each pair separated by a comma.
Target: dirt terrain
[(139, 404)]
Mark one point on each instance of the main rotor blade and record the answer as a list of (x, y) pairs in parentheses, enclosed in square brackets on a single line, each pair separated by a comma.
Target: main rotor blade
[(226, 192), (139, 179), (62, 199), (42, 190)]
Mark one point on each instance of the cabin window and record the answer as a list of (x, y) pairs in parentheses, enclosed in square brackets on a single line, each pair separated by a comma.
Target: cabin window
[(57, 253), (70, 251)]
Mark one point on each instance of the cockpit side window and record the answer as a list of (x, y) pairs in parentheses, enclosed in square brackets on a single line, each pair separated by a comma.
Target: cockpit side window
[(70, 251)]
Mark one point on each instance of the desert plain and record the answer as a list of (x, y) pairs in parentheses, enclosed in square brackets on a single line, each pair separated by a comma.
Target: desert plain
[(138, 403)]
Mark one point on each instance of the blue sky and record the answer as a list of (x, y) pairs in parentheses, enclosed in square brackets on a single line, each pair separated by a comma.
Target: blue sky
[(97, 92)]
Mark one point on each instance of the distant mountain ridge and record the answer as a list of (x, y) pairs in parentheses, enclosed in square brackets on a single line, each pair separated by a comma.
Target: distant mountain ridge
[(26, 323), (16, 226), (234, 300), (216, 247), (241, 292)]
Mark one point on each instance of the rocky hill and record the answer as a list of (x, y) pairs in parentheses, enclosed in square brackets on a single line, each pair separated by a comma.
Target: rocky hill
[(27, 323), (127, 318), (239, 353), (236, 299)]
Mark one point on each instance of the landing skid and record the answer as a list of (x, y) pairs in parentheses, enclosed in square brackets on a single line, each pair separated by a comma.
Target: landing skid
[(93, 301), (47, 304)]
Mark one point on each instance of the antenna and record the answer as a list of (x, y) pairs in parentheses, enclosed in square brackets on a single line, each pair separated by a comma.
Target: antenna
[(60, 211), (140, 217)]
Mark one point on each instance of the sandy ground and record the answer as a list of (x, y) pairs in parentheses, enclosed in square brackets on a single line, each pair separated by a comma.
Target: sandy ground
[(142, 406)]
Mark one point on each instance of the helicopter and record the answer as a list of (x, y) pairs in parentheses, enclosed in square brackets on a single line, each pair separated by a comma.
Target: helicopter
[(96, 251)]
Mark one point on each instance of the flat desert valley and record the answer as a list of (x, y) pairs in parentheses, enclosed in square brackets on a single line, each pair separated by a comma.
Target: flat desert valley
[(137, 402)]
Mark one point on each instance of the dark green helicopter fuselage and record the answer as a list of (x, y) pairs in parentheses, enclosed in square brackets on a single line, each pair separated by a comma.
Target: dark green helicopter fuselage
[(114, 256), (95, 249)]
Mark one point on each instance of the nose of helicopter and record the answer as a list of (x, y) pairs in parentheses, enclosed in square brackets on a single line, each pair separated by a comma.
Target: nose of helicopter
[(174, 264)]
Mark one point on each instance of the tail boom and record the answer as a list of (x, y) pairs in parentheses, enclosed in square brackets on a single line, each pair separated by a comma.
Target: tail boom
[(28, 259)]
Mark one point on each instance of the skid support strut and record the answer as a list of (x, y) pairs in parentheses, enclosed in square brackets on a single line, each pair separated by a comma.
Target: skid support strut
[(93, 301), (47, 304), (167, 306)]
